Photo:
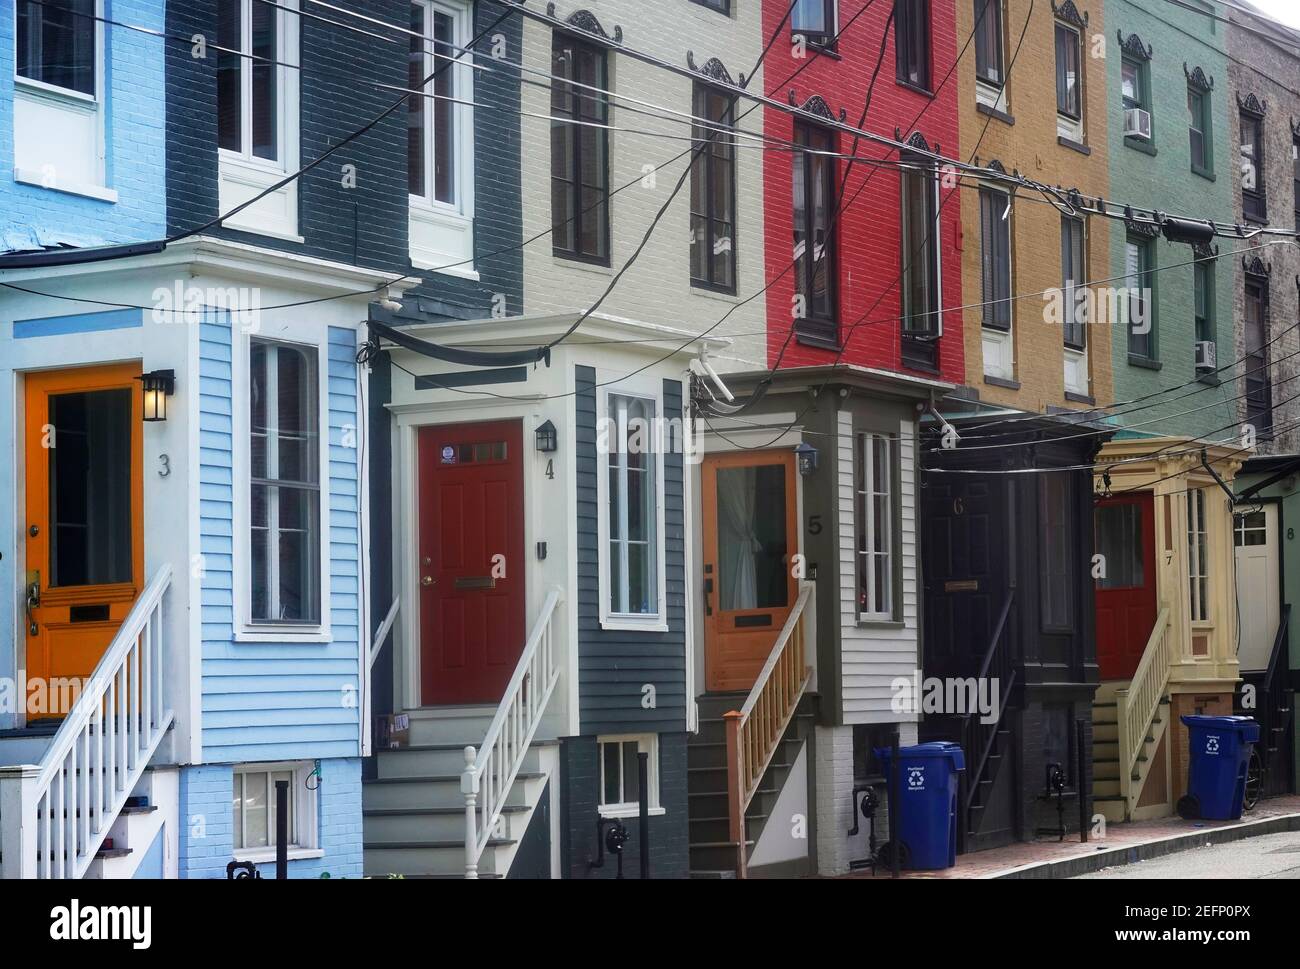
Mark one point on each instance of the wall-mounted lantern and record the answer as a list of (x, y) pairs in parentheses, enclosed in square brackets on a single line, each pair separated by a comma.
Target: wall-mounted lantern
[(158, 386), (547, 439), (807, 456)]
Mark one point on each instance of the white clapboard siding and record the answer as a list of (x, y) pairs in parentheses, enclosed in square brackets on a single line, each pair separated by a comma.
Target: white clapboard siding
[(871, 658)]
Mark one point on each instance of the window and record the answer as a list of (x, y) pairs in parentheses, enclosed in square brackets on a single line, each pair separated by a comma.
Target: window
[(1204, 297), (248, 83), (1198, 555), (620, 774), (1069, 80), (1132, 84), (432, 125), (1074, 276), (1139, 269), (57, 43), (814, 19), (815, 256), (1198, 130), (1250, 528), (1056, 579), (722, 6), (632, 522), (1253, 204), (922, 323), (1119, 543), (1295, 176), (874, 516), (255, 806), (713, 192), (912, 42), (1259, 391), (579, 152), (995, 258), (285, 480), (988, 42)]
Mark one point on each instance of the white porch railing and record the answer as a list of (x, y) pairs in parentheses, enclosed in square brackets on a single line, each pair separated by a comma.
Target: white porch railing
[(754, 733), (55, 815), (490, 772), (1136, 706)]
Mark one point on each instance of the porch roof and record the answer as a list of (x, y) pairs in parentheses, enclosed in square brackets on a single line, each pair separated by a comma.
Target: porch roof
[(884, 383)]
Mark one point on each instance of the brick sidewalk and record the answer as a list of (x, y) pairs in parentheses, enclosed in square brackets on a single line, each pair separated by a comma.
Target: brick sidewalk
[(1051, 858)]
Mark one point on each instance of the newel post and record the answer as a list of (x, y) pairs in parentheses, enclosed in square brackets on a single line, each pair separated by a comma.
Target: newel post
[(469, 787), (18, 844), (735, 790)]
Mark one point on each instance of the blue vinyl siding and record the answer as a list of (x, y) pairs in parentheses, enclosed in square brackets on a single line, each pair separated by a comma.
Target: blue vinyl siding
[(614, 665), (278, 701)]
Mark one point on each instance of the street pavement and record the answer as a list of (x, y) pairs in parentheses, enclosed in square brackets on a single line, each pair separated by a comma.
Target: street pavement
[(1268, 856)]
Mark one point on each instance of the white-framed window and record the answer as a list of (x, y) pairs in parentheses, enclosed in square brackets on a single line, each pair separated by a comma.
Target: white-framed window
[(284, 484), (990, 67), (1069, 82), (873, 509), (630, 444), (620, 779), (1198, 556), (254, 807), (257, 112), (440, 136), (59, 97)]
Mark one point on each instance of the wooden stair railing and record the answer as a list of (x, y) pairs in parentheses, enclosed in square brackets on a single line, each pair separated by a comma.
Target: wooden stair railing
[(754, 732), (1136, 705), (978, 738), (491, 770)]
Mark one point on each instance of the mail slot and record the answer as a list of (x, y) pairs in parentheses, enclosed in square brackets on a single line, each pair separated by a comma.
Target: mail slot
[(476, 582), (97, 613), (744, 621), (963, 585)]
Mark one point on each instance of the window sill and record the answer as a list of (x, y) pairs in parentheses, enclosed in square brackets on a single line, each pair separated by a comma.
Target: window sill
[(1140, 144), (993, 112), (627, 624), (629, 811), (700, 287), (585, 263), (282, 634), (1255, 219), (1070, 395), (443, 269), (867, 623), (1205, 173), (1210, 379), (1146, 363), (26, 177), (262, 856), (1073, 145), (820, 342), (1001, 382), (924, 92), (822, 50)]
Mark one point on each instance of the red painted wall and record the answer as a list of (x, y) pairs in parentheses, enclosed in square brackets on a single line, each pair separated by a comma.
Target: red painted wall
[(869, 230)]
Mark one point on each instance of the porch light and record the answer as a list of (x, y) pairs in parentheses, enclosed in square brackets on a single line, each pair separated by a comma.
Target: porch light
[(158, 386), (547, 439), (807, 455)]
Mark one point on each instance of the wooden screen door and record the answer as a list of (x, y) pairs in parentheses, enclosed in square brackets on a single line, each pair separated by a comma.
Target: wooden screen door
[(1254, 533), (471, 561), (750, 534), (84, 522), (1126, 596)]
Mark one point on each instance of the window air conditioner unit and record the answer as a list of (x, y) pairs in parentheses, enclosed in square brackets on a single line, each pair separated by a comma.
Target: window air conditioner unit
[(1137, 123), (1206, 358)]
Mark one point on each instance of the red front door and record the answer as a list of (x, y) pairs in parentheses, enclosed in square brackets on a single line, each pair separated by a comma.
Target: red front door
[(471, 561), (1126, 594)]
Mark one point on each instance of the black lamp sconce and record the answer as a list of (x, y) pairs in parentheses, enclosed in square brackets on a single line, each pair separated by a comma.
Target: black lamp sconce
[(547, 438), (807, 456), (158, 386)]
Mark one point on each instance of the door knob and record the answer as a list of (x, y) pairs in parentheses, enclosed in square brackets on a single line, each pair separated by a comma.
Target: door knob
[(426, 580)]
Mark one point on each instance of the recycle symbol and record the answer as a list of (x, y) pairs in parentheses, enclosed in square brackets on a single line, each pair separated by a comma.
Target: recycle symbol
[(1212, 745), (916, 777)]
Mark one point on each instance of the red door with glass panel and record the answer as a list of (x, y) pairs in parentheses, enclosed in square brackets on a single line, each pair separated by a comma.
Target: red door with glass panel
[(471, 561), (1126, 594)]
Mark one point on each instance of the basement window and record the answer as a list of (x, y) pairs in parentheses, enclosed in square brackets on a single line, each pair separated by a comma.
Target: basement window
[(254, 810), (619, 775)]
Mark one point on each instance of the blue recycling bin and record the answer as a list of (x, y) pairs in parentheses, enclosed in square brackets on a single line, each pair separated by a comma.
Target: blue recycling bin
[(1219, 752), (926, 827)]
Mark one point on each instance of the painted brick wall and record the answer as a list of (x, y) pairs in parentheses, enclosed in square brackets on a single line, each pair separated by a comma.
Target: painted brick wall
[(869, 229), (580, 793), (134, 140), (1030, 144), (207, 838), (1271, 74)]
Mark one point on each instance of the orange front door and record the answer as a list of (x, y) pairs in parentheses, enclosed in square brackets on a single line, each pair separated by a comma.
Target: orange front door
[(750, 538), (84, 524)]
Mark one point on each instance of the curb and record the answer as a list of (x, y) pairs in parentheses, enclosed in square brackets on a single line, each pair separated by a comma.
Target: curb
[(1144, 851)]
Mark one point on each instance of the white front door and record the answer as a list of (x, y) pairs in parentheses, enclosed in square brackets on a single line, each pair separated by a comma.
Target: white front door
[(1255, 540)]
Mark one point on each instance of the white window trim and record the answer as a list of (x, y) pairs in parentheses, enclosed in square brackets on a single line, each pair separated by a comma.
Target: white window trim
[(862, 493), (242, 174), (74, 102), (306, 810), (647, 743), (441, 234), (245, 629), (1198, 526), (1076, 361), (653, 622)]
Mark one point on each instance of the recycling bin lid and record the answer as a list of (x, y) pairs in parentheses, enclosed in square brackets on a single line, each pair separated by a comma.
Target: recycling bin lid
[(936, 749), (1241, 724)]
